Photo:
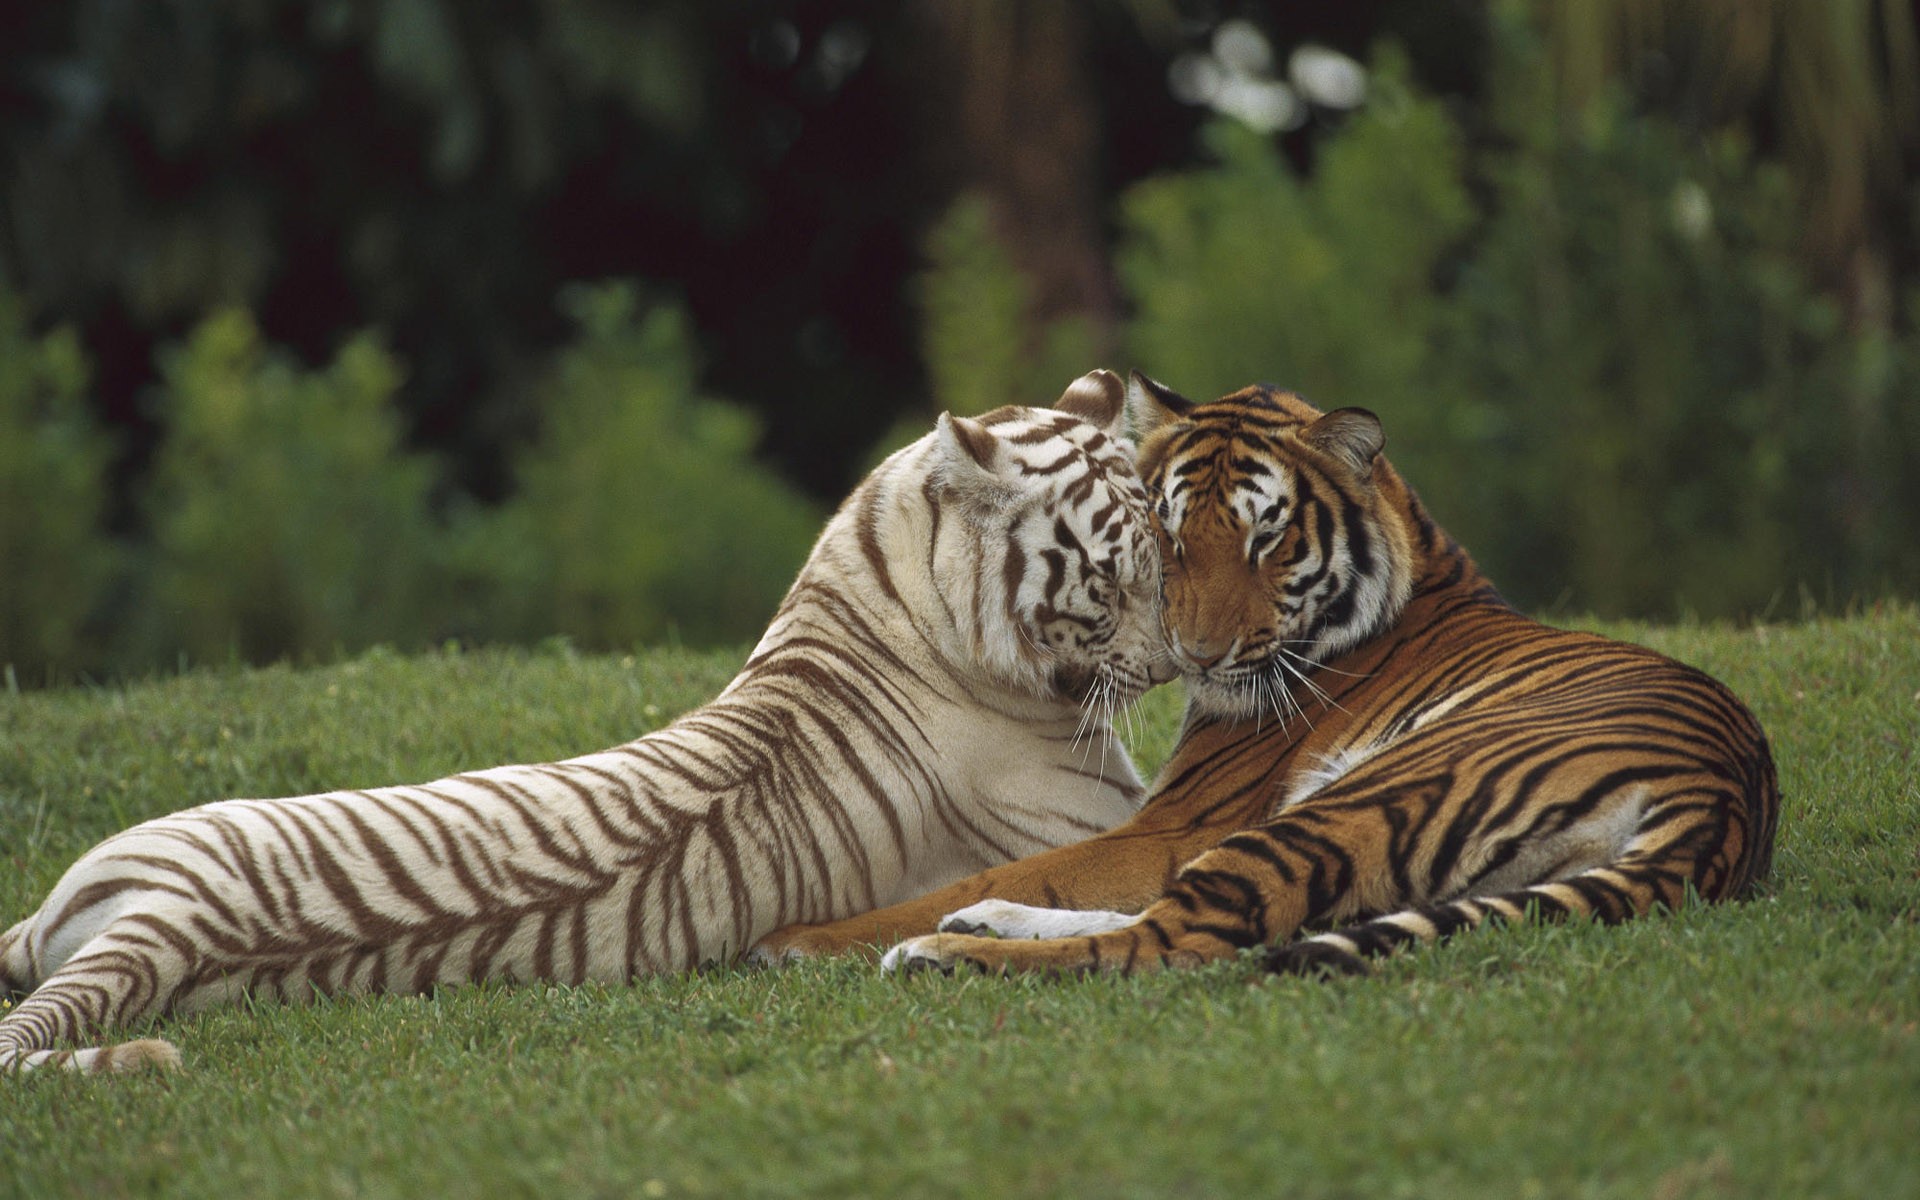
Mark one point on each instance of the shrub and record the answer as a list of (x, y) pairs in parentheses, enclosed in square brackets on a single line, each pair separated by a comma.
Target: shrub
[(979, 339), (1612, 382), (981, 345), (640, 512), (1243, 271), (55, 561), (1674, 409), (285, 518)]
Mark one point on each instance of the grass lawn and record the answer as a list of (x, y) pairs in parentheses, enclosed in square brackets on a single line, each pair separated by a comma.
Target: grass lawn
[(1764, 1049)]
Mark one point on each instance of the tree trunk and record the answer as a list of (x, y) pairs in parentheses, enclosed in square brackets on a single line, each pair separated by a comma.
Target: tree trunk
[(1007, 110)]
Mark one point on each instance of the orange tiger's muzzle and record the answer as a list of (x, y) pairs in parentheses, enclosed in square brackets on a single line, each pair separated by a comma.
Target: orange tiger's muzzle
[(1217, 612)]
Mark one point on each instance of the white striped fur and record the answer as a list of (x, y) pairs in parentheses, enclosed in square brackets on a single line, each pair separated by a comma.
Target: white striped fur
[(932, 698)]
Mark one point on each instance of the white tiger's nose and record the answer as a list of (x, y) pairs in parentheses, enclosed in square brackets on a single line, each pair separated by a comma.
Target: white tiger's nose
[(1162, 668)]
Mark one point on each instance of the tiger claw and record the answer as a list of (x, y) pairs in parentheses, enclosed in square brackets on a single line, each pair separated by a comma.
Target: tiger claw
[(1315, 958), (955, 924), (912, 958)]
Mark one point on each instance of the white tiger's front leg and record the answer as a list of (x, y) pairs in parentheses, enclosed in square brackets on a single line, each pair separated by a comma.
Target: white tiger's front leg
[(1005, 919)]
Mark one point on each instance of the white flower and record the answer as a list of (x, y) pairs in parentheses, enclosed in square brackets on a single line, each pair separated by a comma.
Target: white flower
[(1328, 77), (1691, 210)]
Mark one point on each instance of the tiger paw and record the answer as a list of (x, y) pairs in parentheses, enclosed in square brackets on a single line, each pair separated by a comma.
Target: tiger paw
[(1315, 957), (793, 943), (930, 952), (144, 1054), (1005, 919)]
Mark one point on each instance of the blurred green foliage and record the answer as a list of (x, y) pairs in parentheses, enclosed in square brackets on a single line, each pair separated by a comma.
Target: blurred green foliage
[(639, 512), (978, 339), (1609, 377), (284, 517), (438, 171), (981, 348), (1589, 327), (1244, 271), (55, 562), (1636, 346)]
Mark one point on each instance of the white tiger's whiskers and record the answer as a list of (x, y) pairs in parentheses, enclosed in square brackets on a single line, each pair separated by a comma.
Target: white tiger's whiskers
[(1108, 688), (1136, 722), (1097, 711), (1091, 712)]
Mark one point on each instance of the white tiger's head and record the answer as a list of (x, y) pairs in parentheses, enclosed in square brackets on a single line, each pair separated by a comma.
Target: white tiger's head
[(1045, 555)]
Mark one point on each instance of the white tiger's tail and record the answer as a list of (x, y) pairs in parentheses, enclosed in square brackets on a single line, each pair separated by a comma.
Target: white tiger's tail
[(24, 1044)]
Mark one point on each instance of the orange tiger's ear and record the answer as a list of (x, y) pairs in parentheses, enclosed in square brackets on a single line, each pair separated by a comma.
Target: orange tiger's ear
[(1153, 404), (1097, 396), (1351, 435)]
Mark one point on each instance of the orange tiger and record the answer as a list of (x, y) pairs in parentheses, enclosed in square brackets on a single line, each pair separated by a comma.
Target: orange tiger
[(1376, 745)]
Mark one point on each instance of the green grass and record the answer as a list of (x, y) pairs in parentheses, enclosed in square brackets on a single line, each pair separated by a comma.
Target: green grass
[(1764, 1049)]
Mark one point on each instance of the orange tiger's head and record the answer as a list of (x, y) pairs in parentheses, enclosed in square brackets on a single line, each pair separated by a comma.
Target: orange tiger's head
[(1284, 537)]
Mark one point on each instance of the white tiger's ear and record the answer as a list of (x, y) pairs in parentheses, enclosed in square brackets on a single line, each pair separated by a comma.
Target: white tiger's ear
[(971, 455), (1153, 404), (1351, 435), (1098, 397)]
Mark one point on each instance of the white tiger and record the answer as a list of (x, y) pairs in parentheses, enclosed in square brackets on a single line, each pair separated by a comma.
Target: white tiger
[(933, 697)]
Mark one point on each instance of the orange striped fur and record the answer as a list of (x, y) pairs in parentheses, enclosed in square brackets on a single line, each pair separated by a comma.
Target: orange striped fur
[(1376, 746)]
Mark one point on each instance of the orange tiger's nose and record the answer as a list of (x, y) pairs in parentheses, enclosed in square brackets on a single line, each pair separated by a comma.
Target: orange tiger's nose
[(1204, 652)]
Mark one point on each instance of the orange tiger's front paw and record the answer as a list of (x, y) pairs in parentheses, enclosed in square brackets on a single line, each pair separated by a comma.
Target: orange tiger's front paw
[(794, 942), (943, 952)]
